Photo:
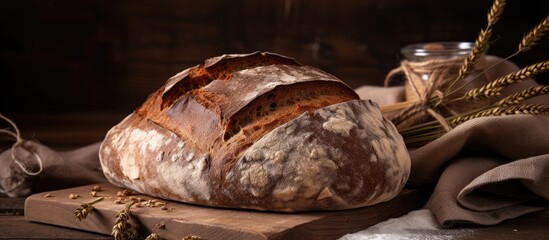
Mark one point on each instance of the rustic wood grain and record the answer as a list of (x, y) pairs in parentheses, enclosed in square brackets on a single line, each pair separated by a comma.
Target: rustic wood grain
[(17, 227), (212, 223), (13, 225), (11, 206), (531, 226)]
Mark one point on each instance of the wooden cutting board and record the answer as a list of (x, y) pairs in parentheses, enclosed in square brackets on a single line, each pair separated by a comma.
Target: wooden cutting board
[(178, 220)]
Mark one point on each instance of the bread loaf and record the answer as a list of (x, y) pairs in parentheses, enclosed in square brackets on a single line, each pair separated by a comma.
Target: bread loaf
[(257, 131)]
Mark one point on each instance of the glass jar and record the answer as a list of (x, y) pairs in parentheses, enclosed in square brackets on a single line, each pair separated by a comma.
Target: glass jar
[(437, 63), (436, 50)]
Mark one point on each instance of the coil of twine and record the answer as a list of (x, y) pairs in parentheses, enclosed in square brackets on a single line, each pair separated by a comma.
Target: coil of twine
[(18, 167)]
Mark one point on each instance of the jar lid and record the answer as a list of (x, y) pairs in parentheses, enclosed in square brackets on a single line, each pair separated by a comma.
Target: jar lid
[(434, 50)]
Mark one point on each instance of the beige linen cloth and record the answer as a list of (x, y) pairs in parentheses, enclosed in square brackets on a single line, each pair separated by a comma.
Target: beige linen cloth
[(493, 169), (485, 170), (58, 169)]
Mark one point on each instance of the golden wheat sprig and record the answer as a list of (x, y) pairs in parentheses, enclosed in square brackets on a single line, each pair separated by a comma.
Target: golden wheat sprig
[(493, 88), (484, 113), (480, 46), (528, 41), (85, 209), (519, 97), (532, 38), (482, 93), (123, 229), (495, 12), (533, 109), (501, 111), (482, 41), (421, 134)]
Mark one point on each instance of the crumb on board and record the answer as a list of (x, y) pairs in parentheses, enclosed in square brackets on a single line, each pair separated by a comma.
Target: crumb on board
[(74, 196), (160, 225), (126, 192), (130, 192), (93, 193), (48, 195), (97, 188), (192, 237)]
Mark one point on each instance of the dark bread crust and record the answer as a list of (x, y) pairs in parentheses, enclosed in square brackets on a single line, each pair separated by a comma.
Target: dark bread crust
[(217, 135)]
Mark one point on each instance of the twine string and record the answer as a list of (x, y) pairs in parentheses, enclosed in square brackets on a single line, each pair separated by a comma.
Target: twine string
[(439, 72), (390, 76), (16, 135), (410, 74)]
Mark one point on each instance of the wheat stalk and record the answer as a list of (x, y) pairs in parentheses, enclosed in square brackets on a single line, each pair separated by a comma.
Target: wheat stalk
[(480, 46), (532, 38), (484, 113), (481, 43), (495, 12), (421, 134), (85, 209), (519, 97), (528, 41), (534, 109), (493, 88), (123, 229), (502, 111)]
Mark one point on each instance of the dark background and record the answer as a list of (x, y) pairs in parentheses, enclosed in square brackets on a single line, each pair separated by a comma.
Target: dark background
[(107, 56), (71, 69)]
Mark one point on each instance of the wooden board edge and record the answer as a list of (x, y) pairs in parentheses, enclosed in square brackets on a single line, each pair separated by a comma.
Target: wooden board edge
[(320, 225), (355, 219), (101, 221)]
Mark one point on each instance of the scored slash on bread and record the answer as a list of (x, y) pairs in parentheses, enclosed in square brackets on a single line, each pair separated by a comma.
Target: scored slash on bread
[(258, 131)]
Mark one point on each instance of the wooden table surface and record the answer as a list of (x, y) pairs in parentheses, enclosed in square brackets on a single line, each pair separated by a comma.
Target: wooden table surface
[(14, 226), (82, 129)]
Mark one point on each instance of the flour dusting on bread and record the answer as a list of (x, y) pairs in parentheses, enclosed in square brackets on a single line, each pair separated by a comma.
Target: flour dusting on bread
[(258, 131)]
